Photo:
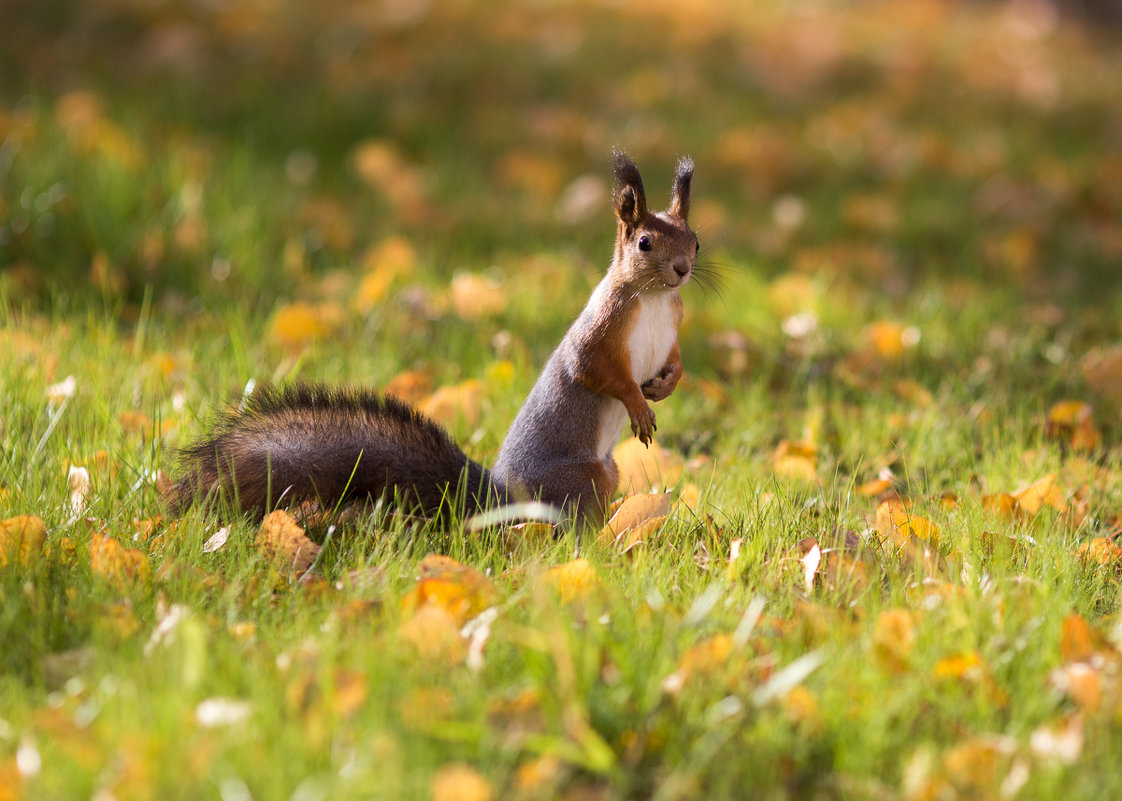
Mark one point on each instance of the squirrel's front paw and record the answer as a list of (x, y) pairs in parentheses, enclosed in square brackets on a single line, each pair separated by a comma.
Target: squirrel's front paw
[(662, 384), (643, 425)]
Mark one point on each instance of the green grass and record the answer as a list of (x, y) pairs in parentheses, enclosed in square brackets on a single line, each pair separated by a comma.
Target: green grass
[(949, 170)]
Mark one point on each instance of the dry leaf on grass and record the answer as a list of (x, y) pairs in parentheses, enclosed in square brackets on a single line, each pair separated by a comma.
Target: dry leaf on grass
[(434, 634), (894, 635), (460, 783), (448, 405), (282, 540), (796, 460), (121, 565), (634, 512), (461, 591), (21, 539), (572, 581), (1072, 422), (896, 524), (642, 469)]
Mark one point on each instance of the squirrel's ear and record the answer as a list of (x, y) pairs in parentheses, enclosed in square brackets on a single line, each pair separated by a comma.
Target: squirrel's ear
[(680, 202), (630, 200)]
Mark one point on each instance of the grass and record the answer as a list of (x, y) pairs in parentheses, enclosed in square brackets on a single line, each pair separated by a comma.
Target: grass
[(922, 169)]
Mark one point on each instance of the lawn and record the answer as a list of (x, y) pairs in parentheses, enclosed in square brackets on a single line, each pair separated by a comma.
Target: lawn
[(874, 551)]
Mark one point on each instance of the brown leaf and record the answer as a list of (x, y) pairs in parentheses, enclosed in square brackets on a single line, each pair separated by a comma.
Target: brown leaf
[(1040, 493), (435, 635), (1102, 551), (283, 540), (1073, 422), (896, 524)]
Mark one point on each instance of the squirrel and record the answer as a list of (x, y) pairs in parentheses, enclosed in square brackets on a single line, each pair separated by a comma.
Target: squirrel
[(311, 443)]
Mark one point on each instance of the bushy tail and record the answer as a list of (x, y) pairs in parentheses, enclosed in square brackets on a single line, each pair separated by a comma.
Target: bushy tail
[(332, 446)]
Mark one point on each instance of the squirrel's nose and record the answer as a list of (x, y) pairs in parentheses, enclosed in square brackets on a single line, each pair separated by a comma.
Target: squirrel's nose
[(681, 268)]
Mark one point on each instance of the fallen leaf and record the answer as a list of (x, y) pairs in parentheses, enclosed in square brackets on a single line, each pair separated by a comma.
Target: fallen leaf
[(642, 469), (797, 460), (890, 340), (896, 524), (283, 540), (1080, 682), (704, 658), (572, 581), (461, 591), (460, 783), (449, 405), (1040, 493), (121, 565), (299, 324), (810, 566), (634, 512), (893, 638), (434, 634), (476, 297), (410, 386), (22, 539), (1073, 422), (1102, 551), (349, 691), (1080, 642)]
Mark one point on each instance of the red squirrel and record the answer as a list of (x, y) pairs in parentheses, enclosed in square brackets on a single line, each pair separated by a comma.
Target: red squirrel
[(335, 446)]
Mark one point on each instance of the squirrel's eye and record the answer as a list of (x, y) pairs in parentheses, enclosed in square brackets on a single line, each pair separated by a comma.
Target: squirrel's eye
[(644, 243), (696, 247)]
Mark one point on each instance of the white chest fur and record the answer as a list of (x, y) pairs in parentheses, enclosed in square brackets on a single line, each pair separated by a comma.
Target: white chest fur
[(650, 341), (653, 336)]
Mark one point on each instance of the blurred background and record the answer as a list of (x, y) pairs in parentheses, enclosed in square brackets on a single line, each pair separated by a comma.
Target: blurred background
[(202, 150)]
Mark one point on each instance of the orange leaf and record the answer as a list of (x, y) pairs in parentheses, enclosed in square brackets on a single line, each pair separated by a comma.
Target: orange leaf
[(1042, 492), (707, 657), (890, 340), (635, 511), (1079, 641), (795, 460), (1102, 551), (435, 635), (283, 540), (297, 325), (896, 524), (21, 538), (460, 783), (893, 638), (461, 591), (475, 297), (117, 563), (448, 405), (959, 665), (642, 469)]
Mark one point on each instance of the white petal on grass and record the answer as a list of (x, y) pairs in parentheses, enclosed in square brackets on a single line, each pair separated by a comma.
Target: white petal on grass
[(703, 605), (215, 712), (477, 631), (217, 541), (78, 480), (748, 621), (56, 393), (1061, 741), (811, 561), (790, 677), (168, 623), (28, 761)]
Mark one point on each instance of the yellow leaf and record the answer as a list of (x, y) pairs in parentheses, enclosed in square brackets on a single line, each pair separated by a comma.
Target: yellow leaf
[(1080, 682), (874, 487), (642, 468), (460, 783), (21, 538), (1079, 642), (350, 692), (282, 539), (1073, 422), (297, 325), (1042, 492), (1004, 504), (572, 581), (795, 460), (391, 260), (707, 657)]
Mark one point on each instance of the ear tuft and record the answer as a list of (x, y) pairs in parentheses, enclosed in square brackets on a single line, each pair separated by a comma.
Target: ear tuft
[(680, 202), (630, 200)]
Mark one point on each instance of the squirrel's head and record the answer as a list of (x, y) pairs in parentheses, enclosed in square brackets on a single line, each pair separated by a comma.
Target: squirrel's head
[(657, 250)]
